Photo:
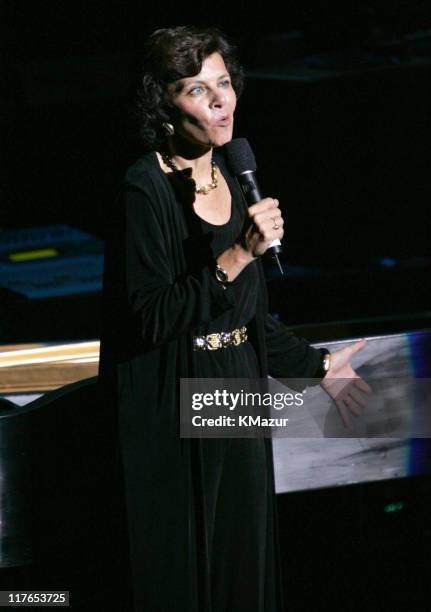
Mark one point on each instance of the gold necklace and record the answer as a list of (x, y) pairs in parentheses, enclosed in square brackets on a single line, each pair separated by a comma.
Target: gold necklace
[(205, 189)]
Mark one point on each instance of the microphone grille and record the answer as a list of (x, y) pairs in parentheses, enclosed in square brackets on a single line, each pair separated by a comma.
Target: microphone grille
[(239, 156)]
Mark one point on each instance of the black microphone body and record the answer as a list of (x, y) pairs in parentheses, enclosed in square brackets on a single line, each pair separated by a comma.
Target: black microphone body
[(251, 192), (242, 162)]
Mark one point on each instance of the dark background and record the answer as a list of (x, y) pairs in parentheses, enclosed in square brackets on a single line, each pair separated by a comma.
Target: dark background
[(344, 148)]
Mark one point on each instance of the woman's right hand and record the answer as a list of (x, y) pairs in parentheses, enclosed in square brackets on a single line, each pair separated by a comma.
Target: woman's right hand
[(260, 232)]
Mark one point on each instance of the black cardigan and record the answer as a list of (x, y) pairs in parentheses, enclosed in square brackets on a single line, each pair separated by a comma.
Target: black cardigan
[(154, 296)]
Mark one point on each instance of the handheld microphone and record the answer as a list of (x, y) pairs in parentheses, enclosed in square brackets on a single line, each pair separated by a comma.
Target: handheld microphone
[(242, 162)]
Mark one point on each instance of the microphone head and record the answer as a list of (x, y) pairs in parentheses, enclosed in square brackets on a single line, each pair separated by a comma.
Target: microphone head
[(239, 156)]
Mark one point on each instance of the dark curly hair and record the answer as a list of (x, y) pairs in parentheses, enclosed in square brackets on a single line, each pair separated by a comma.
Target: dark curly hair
[(171, 54)]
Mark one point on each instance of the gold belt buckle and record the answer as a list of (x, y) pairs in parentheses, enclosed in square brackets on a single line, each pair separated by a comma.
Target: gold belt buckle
[(213, 341), (236, 337), (217, 340)]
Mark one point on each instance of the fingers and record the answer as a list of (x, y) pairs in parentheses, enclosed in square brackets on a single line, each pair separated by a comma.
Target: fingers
[(262, 206), (354, 408), (267, 220), (271, 228), (351, 396), (346, 405), (357, 346), (363, 386), (264, 225), (342, 411), (357, 400), (268, 233), (355, 388)]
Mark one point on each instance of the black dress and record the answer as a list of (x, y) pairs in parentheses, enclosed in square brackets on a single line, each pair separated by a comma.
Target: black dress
[(202, 525), (241, 546)]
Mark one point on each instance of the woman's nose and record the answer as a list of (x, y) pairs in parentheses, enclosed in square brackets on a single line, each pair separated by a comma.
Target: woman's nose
[(219, 99)]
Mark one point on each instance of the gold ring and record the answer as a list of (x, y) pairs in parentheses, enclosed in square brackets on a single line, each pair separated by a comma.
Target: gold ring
[(275, 226)]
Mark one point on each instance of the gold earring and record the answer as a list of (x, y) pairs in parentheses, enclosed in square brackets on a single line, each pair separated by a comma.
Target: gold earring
[(169, 128)]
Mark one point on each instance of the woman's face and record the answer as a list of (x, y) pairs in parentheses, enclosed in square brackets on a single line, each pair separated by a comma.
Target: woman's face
[(206, 103)]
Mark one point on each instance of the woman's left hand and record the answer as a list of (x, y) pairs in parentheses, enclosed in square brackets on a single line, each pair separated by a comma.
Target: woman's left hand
[(348, 390)]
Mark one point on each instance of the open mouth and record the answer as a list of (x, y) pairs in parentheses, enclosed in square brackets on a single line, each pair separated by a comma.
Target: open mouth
[(223, 121)]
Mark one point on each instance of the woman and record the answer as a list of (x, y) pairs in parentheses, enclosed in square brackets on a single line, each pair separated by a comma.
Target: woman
[(184, 263)]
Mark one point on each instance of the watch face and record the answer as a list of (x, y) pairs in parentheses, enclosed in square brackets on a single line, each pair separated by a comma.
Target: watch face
[(221, 275)]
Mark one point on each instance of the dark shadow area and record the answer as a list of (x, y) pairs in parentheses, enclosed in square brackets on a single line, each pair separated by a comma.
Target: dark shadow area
[(63, 517), (345, 548)]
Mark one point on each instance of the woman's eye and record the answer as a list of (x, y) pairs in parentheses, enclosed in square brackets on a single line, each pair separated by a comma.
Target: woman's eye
[(197, 90)]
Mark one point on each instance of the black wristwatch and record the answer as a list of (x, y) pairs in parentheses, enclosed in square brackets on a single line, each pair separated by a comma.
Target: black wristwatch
[(221, 275)]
